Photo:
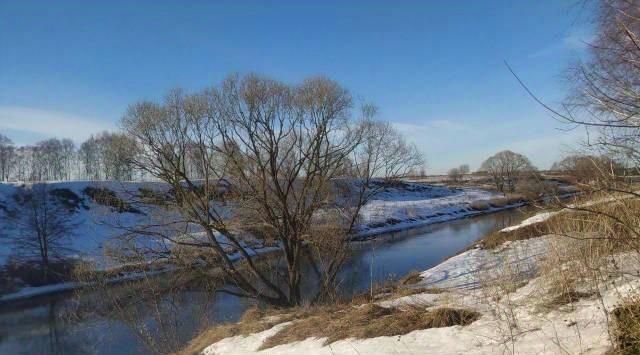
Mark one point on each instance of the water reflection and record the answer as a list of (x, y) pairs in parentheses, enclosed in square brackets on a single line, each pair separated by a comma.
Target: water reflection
[(166, 320)]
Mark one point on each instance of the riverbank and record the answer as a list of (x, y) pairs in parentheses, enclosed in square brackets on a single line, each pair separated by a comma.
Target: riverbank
[(435, 208), (508, 321), (528, 300), (393, 232), (28, 324), (96, 224)]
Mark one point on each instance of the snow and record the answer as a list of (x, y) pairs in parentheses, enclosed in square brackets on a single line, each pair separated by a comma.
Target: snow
[(394, 210), (538, 218), (510, 323), (96, 227), (93, 224), (463, 270)]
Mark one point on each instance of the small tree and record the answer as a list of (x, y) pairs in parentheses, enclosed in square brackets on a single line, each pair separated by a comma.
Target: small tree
[(454, 174), (505, 168), (43, 225), (457, 174)]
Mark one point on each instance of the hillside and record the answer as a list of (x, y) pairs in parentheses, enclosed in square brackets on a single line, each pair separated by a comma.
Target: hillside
[(103, 210)]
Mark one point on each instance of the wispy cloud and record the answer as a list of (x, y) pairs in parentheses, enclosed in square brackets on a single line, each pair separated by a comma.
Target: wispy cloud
[(39, 123), (575, 41)]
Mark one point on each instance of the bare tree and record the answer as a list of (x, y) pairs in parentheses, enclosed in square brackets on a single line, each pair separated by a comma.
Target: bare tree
[(457, 174), (282, 148), (505, 168), (118, 153), (44, 226), (68, 152), (89, 157), (454, 174), (7, 157), (588, 169)]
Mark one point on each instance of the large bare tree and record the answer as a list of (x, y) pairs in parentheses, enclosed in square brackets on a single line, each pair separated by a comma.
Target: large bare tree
[(299, 165), (505, 168)]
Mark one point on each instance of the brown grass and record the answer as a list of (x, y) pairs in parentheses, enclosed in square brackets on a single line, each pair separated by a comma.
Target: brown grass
[(412, 278), (480, 205), (257, 320), (626, 328), (253, 321), (496, 239), (563, 298), (369, 321), (498, 202)]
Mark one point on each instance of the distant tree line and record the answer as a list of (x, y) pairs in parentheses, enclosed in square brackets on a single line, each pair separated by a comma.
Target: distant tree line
[(104, 156)]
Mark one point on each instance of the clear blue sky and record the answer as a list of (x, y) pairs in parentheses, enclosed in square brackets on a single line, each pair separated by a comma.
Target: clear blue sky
[(435, 68)]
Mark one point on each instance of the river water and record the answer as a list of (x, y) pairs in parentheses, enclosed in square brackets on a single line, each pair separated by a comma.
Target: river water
[(53, 324)]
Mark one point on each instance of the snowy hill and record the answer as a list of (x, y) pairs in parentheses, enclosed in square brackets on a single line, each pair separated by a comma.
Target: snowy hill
[(99, 210)]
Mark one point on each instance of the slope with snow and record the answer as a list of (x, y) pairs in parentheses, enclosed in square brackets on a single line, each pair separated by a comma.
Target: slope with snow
[(96, 226), (394, 210), (511, 322)]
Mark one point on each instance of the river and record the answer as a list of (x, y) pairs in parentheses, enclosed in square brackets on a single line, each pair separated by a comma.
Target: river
[(46, 325)]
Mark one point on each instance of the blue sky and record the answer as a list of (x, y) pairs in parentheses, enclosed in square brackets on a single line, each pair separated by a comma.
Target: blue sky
[(435, 68)]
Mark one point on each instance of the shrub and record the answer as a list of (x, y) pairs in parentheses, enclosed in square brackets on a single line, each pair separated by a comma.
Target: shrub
[(67, 198), (626, 328), (106, 197)]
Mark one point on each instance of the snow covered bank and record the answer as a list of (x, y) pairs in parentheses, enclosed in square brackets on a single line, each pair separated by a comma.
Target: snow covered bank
[(538, 218), (393, 211), (95, 225), (512, 320)]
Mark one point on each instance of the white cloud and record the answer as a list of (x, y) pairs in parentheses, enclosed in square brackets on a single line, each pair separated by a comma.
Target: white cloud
[(44, 124), (575, 41)]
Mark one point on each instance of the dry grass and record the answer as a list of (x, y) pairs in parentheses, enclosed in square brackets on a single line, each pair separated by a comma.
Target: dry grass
[(412, 278), (369, 321), (579, 262), (390, 293), (626, 328), (498, 238), (498, 202), (257, 320), (253, 321), (566, 297)]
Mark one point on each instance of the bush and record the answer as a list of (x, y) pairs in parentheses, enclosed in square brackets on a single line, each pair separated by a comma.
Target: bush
[(626, 319), (106, 197), (67, 198), (31, 273)]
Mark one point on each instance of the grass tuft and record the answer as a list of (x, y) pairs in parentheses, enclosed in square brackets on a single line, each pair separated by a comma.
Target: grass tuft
[(369, 321)]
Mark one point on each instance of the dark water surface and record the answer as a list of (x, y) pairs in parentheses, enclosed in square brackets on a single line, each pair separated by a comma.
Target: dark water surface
[(45, 325)]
